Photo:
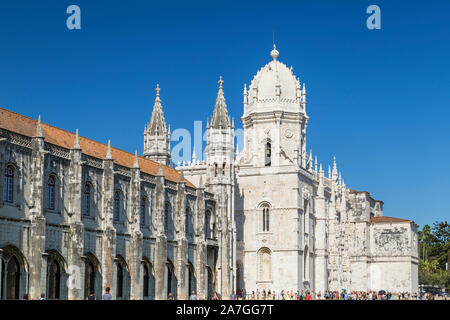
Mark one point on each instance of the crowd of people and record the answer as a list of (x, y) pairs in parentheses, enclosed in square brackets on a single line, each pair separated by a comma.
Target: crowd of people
[(242, 294)]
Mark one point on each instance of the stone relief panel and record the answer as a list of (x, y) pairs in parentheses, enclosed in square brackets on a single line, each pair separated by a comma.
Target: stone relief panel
[(390, 241)]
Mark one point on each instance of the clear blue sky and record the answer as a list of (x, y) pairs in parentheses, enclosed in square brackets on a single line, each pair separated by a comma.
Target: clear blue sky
[(378, 100)]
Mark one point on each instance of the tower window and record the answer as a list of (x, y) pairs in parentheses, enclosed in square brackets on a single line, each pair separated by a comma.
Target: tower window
[(265, 218), (268, 161)]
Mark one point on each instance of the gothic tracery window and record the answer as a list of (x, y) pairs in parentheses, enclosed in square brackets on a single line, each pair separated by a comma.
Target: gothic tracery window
[(207, 224), (143, 210), (265, 217), (86, 199), (8, 184), (51, 193), (117, 206), (167, 213)]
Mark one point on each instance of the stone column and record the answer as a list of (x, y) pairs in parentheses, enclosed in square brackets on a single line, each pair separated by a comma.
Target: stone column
[(182, 250), (225, 249), (161, 239), (109, 233), (320, 245), (37, 219), (76, 227), (136, 241), (200, 249)]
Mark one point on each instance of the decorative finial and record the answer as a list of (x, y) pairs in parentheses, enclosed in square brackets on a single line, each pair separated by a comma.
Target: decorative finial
[(76, 145), (108, 151), (136, 162), (220, 82), (157, 92), (274, 53), (39, 132), (160, 171)]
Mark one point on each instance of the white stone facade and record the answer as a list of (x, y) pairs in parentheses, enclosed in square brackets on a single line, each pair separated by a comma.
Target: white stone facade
[(291, 227)]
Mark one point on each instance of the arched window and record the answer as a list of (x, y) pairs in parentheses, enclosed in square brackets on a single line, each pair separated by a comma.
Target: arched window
[(306, 216), (8, 185), (188, 217), (265, 217), (117, 203), (167, 213), (89, 278), (143, 210), (54, 276), (13, 279), (306, 264), (145, 292), (215, 169), (268, 154), (119, 281), (51, 190), (264, 264), (208, 224), (223, 168), (86, 199)]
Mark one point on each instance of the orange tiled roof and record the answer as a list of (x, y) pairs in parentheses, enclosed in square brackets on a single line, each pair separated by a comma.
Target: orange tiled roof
[(23, 125), (387, 219)]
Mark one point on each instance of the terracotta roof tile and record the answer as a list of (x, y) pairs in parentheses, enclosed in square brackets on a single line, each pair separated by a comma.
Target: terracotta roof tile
[(387, 219), (23, 125)]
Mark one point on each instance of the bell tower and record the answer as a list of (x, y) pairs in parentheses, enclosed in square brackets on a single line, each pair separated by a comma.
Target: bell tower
[(274, 118), (219, 155)]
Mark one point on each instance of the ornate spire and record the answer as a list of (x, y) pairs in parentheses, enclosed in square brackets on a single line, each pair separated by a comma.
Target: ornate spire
[(193, 155), (220, 118), (274, 53), (160, 172), (136, 162), (39, 132), (76, 145), (157, 122), (335, 172), (245, 95), (108, 152)]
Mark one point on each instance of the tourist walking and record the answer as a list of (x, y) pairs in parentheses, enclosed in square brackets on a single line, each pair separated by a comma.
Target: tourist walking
[(107, 295)]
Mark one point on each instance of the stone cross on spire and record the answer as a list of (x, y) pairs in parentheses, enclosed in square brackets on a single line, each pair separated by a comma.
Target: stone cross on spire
[(220, 118)]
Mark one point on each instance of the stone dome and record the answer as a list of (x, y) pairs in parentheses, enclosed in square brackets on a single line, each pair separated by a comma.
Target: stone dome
[(274, 79)]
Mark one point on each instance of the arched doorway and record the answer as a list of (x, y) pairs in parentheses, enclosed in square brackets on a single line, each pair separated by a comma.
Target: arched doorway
[(148, 280), (13, 279), (14, 273), (209, 283), (90, 276), (191, 279), (171, 280), (54, 280)]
